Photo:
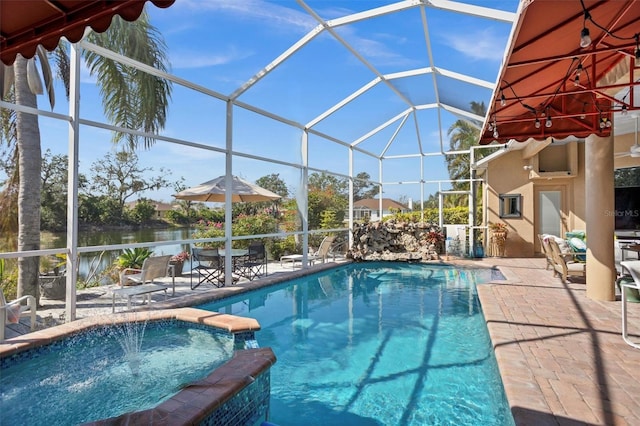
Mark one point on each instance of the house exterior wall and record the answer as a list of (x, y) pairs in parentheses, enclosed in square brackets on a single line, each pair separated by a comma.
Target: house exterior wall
[(506, 175)]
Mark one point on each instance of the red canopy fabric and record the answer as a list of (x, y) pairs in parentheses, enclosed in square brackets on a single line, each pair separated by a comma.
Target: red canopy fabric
[(26, 24), (548, 74)]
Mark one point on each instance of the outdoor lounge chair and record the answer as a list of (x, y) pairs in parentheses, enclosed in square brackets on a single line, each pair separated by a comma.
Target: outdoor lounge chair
[(10, 312), (139, 282), (546, 250), (633, 267), (321, 254), (562, 263)]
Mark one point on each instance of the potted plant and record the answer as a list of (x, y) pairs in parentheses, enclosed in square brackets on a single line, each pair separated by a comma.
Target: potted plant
[(499, 232), (133, 258), (177, 261)]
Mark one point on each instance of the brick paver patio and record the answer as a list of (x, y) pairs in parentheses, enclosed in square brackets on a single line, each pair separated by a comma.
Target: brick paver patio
[(560, 354)]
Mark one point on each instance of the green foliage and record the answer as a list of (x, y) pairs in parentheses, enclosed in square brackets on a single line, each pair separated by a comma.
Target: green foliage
[(278, 247), (252, 225), (329, 219), (206, 229), (274, 183), (9, 278), (99, 210), (452, 216), (53, 204), (133, 257), (177, 217), (142, 212), (119, 177)]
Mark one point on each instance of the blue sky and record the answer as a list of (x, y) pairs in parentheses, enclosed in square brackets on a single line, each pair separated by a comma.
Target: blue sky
[(221, 45)]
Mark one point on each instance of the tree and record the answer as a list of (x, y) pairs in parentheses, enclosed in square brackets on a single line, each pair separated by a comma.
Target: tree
[(362, 188), (132, 99), (463, 135), (119, 176), (54, 192), (274, 183)]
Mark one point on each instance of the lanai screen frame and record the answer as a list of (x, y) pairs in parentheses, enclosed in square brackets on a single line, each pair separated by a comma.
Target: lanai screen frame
[(306, 129)]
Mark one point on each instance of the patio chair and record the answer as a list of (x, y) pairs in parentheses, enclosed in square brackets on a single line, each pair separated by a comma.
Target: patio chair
[(11, 312), (321, 254), (140, 282), (633, 267), (546, 250), (255, 262), (209, 267), (564, 267)]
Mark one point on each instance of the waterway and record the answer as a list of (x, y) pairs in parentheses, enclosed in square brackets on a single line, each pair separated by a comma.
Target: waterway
[(98, 261)]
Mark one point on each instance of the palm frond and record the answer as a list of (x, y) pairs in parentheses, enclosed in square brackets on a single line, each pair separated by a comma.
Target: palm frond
[(131, 98), (47, 75), (33, 77)]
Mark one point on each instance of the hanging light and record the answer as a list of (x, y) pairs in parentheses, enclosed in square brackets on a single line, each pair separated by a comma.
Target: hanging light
[(548, 122), (583, 115), (495, 133), (608, 122), (603, 123), (576, 81), (585, 37), (503, 99), (624, 110), (537, 123)]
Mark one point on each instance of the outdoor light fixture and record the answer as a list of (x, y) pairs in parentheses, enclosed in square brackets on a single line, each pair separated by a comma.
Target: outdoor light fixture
[(548, 122), (503, 100), (495, 133), (602, 123), (585, 38), (624, 110), (583, 115), (537, 123), (576, 80), (608, 122)]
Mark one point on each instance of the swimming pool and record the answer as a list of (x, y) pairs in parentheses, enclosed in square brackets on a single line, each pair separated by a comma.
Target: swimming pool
[(378, 343)]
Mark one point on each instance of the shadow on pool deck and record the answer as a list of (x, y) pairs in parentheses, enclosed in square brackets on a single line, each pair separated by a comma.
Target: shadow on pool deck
[(560, 354)]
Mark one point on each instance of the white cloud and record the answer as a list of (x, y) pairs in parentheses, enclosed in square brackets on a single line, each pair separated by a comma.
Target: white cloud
[(196, 59), (480, 45), (270, 14)]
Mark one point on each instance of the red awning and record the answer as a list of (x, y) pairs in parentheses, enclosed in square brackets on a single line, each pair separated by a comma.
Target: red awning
[(548, 75), (26, 24)]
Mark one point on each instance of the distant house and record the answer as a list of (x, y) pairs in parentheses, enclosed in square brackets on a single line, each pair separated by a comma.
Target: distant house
[(161, 208), (369, 208)]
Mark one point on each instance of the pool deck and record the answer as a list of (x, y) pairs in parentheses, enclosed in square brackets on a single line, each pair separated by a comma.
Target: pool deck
[(560, 354)]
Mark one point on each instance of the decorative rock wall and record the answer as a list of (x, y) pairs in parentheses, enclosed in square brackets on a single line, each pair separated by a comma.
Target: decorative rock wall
[(398, 241)]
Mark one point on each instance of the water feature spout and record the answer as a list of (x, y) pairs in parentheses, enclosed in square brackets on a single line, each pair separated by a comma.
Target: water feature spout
[(129, 335)]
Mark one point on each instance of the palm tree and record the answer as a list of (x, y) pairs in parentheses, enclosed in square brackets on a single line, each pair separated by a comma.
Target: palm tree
[(131, 99), (463, 135)]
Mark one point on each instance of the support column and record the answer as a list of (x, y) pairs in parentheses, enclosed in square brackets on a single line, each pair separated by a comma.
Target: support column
[(600, 217)]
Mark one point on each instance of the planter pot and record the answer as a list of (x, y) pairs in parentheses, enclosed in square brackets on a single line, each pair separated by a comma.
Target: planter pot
[(53, 286), (177, 267)]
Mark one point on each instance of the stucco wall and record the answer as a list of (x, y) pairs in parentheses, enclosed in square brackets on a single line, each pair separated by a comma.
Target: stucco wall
[(506, 175)]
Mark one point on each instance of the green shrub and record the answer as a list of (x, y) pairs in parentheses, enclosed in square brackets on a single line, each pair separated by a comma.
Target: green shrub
[(133, 258)]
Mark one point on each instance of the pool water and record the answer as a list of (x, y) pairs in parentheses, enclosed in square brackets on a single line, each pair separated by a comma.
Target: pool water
[(378, 344), (87, 377)]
